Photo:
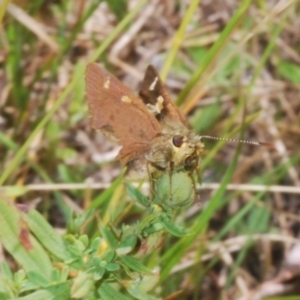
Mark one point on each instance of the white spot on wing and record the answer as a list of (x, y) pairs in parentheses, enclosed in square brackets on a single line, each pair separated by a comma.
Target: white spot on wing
[(158, 107), (159, 104), (126, 99), (153, 84), (106, 84)]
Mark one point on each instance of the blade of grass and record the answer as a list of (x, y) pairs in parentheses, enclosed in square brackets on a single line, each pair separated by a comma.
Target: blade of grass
[(266, 54), (119, 28), (257, 71), (32, 25), (269, 18), (107, 193), (281, 171), (212, 152), (178, 38), (213, 52), (3, 7), (67, 45), (21, 190), (7, 142)]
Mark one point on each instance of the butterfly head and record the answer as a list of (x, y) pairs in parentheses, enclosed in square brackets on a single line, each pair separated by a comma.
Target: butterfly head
[(187, 149), (177, 151)]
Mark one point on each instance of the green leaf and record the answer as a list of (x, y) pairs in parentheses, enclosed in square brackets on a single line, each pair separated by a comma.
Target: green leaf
[(84, 239), (64, 274), (137, 294), (155, 227), (174, 229), (96, 244), (59, 291), (258, 220), (112, 267), (107, 292), (15, 191), (55, 275), (107, 194), (5, 270), (20, 276), (206, 117), (5, 296), (45, 233), (99, 274), (38, 279), (52, 131), (40, 295), (32, 257), (148, 282), (119, 7), (67, 154), (127, 245), (82, 285), (197, 54), (7, 286), (109, 256), (110, 237), (134, 264), (75, 225), (289, 71), (137, 195), (62, 291)]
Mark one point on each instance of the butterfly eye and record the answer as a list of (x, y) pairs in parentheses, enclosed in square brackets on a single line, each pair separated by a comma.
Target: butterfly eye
[(177, 140), (190, 163)]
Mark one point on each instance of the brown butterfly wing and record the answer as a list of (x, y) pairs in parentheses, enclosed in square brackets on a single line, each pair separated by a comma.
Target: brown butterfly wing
[(119, 113), (152, 91)]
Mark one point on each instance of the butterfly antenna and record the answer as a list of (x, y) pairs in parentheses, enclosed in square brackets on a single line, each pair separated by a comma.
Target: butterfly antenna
[(238, 141)]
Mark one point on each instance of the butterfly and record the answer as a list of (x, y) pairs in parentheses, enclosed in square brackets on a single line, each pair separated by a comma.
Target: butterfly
[(155, 136)]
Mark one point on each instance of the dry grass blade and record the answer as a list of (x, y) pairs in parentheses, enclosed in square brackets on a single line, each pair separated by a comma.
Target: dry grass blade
[(37, 28)]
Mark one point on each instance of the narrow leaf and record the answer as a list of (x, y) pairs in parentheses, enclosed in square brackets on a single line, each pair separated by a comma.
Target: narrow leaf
[(137, 294), (45, 233), (137, 195), (134, 264), (40, 295), (175, 229), (20, 243), (109, 236), (107, 292)]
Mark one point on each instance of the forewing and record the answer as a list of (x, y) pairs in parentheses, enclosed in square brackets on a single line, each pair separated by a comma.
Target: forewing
[(156, 97), (119, 113)]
